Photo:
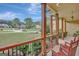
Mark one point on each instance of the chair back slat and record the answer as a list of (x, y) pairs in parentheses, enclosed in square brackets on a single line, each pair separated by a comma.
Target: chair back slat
[(70, 48), (64, 49)]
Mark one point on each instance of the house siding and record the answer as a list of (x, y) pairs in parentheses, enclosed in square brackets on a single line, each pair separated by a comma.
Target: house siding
[(71, 28)]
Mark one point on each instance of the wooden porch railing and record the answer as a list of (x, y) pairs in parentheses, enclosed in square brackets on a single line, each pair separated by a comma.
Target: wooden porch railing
[(12, 50), (15, 50)]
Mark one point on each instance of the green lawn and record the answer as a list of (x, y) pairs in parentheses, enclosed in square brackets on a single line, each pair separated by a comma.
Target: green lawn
[(10, 38)]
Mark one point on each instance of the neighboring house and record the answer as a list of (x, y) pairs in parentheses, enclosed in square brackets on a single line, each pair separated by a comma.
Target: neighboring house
[(3, 24), (21, 26), (38, 25)]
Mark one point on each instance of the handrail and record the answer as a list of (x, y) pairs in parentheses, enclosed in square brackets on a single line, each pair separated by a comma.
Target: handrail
[(15, 45)]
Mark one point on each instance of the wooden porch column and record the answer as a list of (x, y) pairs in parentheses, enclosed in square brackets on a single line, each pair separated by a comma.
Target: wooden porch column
[(43, 34), (62, 29), (65, 25), (57, 28), (51, 31)]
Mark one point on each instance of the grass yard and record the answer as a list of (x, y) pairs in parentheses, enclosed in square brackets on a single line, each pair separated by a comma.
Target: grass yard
[(10, 38)]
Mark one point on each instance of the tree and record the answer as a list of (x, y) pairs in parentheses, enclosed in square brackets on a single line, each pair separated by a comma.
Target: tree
[(29, 23), (15, 22), (9, 23)]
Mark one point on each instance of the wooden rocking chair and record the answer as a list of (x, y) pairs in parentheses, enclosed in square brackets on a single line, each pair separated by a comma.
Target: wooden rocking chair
[(67, 49)]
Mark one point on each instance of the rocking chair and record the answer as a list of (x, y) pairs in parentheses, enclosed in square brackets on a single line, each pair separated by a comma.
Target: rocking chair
[(67, 49)]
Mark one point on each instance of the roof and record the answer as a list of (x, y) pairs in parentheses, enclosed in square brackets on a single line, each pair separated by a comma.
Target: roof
[(65, 9)]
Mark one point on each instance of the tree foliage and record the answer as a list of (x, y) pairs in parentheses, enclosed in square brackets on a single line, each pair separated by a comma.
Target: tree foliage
[(24, 49), (29, 23), (15, 22)]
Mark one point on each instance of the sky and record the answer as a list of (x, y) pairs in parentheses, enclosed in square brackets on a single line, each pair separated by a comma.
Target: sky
[(9, 11)]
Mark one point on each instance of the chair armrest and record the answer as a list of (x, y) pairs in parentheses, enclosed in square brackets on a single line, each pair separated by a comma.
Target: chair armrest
[(67, 43)]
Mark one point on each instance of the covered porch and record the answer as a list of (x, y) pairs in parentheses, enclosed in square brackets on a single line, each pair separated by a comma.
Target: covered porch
[(68, 15), (63, 15)]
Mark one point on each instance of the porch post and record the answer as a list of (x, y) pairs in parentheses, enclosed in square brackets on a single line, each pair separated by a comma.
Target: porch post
[(51, 31), (57, 28), (65, 25), (43, 34), (62, 29)]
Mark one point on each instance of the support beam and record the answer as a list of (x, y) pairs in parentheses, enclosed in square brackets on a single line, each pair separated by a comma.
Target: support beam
[(57, 28), (43, 34), (62, 29), (65, 25), (51, 31)]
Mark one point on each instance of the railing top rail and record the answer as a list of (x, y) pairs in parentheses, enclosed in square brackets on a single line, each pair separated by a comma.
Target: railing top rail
[(15, 45)]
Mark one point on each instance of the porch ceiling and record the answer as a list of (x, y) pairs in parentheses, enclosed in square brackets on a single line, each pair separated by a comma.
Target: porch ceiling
[(65, 9)]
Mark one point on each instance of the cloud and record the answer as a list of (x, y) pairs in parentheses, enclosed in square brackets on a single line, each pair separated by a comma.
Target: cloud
[(8, 15), (34, 8)]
